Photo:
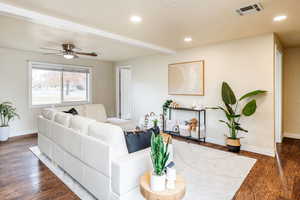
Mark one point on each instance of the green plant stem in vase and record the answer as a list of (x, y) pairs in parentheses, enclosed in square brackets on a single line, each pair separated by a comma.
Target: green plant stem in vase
[(7, 114), (166, 106), (159, 157)]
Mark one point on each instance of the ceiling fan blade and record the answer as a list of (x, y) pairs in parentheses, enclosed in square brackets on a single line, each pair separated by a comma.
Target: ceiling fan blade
[(86, 54), (58, 54), (76, 49), (49, 49)]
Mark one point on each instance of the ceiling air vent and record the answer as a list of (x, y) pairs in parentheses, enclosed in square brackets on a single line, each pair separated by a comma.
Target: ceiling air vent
[(254, 8)]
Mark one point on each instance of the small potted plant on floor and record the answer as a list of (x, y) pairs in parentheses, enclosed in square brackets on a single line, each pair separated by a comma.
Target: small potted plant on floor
[(159, 157), (233, 113), (7, 113)]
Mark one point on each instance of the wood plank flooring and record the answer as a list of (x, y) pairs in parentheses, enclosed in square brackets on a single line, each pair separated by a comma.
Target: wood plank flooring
[(24, 177)]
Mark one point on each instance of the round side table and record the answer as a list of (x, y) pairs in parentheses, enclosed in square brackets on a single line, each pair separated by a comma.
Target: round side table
[(169, 194)]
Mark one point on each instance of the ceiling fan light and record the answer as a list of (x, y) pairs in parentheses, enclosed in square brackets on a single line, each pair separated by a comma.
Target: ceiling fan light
[(68, 56)]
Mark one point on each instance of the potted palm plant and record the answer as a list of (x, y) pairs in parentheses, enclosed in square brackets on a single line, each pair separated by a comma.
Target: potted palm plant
[(233, 113), (7, 113), (159, 156)]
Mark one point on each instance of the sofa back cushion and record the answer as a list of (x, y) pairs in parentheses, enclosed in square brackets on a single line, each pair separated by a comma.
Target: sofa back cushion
[(110, 134), (49, 113), (81, 124), (96, 111), (63, 119)]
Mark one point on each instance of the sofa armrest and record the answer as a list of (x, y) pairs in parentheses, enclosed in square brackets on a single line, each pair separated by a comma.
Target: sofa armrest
[(123, 123), (127, 170)]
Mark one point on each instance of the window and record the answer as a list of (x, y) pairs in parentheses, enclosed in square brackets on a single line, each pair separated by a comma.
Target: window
[(53, 84)]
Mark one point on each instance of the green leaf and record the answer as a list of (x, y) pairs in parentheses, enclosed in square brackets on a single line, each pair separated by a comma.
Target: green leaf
[(253, 93), (229, 109), (229, 126), (159, 153), (241, 129), (227, 94), (234, 116), (249, 108)]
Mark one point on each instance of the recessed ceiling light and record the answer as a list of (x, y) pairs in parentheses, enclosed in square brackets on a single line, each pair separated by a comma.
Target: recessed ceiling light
[(135, 19), (279, 18), (188, 39)]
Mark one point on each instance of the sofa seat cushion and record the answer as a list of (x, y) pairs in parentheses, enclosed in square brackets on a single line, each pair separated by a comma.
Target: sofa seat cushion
[(96, 111), (81, 124), (63, 119), (49, 113), (110, 134), (126, 125)]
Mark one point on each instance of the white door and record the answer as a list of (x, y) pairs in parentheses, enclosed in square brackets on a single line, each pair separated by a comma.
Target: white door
[(125, 93), (278, 96)]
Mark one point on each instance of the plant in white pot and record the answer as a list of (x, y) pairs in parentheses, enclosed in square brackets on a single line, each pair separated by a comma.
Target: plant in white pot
[(159, 157), (7, 113)]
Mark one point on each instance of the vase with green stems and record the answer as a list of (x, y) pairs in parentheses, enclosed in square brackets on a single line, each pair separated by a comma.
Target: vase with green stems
[(159, 156), (234, 109), (7, 114)]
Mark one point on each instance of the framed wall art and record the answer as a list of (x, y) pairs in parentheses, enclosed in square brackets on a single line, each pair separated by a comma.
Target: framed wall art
[(186, 78)]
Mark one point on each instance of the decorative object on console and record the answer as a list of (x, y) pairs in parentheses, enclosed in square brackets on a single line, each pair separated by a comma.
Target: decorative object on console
[(186, 78), (166, 105), (233, 116), (184, 130), (149, 120), (174, 105), (159, 156), (175, 128), (169, 125), (72, 111), (7, 113), (197, 134), (193, 124)]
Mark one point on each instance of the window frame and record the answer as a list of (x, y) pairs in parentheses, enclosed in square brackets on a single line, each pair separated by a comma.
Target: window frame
[(61, 68)]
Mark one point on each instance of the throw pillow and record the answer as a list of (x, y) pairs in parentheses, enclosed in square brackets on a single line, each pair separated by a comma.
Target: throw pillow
[(72, 111), (139, 140)]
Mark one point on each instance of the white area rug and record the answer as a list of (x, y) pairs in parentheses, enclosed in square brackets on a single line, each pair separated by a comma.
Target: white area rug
[(209, 174)]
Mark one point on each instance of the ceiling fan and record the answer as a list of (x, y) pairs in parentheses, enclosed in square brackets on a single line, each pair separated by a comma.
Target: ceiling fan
[(69, 51)]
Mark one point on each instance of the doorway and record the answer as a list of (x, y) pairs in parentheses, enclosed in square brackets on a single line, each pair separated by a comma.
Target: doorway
[(124, 91), (278, 95)]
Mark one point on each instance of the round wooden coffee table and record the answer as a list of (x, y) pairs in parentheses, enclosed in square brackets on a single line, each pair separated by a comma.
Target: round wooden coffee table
[(174, 194)]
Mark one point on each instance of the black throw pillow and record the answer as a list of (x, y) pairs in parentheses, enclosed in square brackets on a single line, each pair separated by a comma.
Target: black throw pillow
[(72, 111), (136, 141)]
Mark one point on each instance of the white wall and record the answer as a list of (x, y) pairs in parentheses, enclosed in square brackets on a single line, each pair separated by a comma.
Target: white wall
[(291, 92), (14, 84), (246, 64)]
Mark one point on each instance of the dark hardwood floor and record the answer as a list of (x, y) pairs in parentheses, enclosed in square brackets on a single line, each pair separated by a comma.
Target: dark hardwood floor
[(23, 176)]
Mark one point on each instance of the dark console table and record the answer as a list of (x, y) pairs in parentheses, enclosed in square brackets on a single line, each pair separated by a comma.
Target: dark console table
[(200, 139)]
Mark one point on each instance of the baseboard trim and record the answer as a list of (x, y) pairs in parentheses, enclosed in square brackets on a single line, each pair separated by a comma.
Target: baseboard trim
[(22, 132), (292, 135), (19, 137), (250, 148)]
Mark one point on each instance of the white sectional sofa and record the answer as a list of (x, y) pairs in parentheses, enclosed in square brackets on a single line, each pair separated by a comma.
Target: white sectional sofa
[(92, 151)]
